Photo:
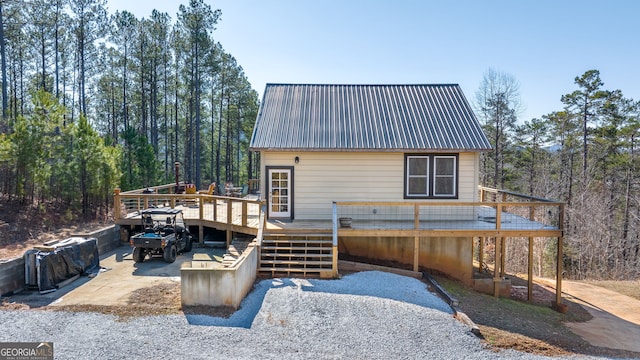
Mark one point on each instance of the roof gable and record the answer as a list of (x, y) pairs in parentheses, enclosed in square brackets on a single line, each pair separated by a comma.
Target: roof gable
[(366, 117)]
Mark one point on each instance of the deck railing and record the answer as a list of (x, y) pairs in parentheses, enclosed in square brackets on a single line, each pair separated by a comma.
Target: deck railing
[(493, 213), (220, 209)]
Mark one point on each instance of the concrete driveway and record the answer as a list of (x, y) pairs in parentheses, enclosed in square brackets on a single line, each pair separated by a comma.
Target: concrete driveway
[(119, 277)]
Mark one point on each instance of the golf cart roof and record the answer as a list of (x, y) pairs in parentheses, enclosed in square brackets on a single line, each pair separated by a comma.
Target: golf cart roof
[(161, 211)]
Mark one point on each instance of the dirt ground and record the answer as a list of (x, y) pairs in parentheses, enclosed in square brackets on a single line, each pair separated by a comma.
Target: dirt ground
[(24, 226), (533, 327)]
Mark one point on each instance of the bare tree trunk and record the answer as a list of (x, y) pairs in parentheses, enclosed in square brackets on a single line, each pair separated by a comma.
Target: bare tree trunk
[(166, 125), (222, 82), (3, 55), (198, 177)]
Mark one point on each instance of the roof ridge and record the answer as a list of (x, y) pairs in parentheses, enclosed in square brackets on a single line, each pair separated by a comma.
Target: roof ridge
[(364, 84)]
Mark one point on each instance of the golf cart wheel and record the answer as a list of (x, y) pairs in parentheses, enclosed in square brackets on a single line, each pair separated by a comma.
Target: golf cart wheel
[(189, 244), (138, 255), (170, 254)]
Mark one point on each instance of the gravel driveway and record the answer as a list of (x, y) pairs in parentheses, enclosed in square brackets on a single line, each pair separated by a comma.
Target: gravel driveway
[(368, 315)]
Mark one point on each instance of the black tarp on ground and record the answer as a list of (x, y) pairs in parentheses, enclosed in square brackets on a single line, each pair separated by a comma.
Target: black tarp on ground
[(78, 258)]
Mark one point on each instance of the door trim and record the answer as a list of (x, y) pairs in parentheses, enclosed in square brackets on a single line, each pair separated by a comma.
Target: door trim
[(291, 190)]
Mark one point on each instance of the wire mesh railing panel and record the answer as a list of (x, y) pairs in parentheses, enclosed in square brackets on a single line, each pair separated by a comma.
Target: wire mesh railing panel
[(532, 215), (466, 216), (378, 216)]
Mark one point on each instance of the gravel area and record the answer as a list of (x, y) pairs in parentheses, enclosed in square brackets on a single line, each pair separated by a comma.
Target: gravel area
[(372, 315)]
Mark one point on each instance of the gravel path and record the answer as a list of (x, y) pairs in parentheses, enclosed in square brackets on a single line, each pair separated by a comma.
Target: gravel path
[(372, 315)]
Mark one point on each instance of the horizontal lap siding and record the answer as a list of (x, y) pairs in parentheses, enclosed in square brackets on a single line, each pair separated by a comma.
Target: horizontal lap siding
[(323, 177), (468, 177)]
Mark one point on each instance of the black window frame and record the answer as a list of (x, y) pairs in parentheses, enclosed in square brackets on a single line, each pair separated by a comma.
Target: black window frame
[(431, 176)]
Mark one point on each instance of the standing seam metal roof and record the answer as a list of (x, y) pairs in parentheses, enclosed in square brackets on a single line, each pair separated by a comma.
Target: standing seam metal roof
[(366, 117)]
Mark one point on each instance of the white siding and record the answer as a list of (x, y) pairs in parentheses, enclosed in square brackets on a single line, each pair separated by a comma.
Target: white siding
[(322, 177)]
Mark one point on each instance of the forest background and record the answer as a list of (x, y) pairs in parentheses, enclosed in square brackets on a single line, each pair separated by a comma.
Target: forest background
[(91, 102)]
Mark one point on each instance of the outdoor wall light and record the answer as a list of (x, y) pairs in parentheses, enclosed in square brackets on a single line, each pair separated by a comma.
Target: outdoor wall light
[(297, 159)]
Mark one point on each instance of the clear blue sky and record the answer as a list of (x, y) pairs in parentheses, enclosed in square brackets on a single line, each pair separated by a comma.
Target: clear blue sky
[(544, 44)]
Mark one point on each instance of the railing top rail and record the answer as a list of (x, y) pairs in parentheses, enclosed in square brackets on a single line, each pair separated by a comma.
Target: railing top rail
[(154, 188), (446, 203), (529, 197), (187, 196)]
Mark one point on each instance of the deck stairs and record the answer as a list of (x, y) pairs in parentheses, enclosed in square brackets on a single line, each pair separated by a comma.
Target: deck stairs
[(296, 255)]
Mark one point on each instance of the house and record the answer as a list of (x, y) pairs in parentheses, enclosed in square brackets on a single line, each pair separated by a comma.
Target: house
[(401, 162), (324, 143)]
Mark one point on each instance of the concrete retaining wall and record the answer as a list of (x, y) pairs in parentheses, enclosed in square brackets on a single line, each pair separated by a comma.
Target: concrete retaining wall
[(12, 271), (450, 255), (108, 238), (207, 283)]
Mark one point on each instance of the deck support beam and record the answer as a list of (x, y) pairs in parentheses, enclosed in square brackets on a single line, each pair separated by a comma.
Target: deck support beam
[(559, 274), (559, 270), (481, 240), (496, 269), (416, 253), (334, 247), (530, 271), (503, 256), (416, 238)]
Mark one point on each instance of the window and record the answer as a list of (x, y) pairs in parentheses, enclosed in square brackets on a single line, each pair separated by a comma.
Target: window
[(431, 176)]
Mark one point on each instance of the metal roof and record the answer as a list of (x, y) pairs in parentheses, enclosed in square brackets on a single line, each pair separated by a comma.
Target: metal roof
[(366, 117)]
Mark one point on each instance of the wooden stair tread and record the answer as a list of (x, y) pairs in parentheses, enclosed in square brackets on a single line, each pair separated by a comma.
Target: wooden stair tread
[(286, 270), (296, 255), (300, 248), (297, 262), (296, 241)]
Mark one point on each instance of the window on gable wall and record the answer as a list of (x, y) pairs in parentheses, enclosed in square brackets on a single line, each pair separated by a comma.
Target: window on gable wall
[(431, 176)]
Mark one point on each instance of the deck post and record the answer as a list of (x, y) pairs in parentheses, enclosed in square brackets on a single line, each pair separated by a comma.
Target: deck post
[(416, 238), (244, 213), (201, 207), (201, 215), (559, 273), (482, 239), (559, 258), (500, 247), (530, 271), (116, 203), (334, 250), (503, 255), (496, 268)]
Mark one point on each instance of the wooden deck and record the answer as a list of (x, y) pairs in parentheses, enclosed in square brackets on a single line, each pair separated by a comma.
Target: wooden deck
[(499, 215), (242, 215)]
